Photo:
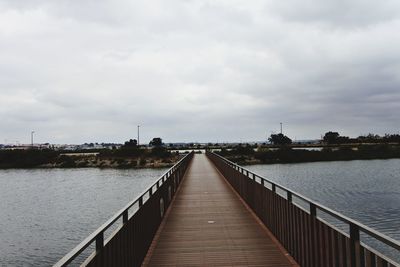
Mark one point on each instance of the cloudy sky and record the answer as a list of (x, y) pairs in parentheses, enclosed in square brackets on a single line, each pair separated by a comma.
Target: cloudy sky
[(197, 70)]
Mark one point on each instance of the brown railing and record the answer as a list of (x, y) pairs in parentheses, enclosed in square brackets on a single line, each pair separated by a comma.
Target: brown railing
[(128, 245), (301, 224)]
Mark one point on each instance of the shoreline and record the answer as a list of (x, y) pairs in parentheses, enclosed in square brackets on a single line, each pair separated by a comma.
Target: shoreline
[(258, 162), (75, 162), (284, 155)]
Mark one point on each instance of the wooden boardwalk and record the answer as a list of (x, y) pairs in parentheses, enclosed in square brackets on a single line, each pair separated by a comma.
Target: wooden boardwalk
[(209, 225)]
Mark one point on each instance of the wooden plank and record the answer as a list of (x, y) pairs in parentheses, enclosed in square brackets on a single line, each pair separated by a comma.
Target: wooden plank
[(208, 224)]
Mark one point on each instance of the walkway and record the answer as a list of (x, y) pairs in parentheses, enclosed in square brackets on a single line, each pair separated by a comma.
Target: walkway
[(209, 225)]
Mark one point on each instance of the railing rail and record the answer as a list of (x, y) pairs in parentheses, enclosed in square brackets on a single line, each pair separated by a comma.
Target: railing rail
[(167, 183), (301, 231)]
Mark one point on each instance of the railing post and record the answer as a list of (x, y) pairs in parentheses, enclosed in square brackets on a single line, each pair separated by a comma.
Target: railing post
[(99, 241), (314, 249), (141, 201), (313, 210), (254, 177), (273, 188), (151, 191), (289, 196), (125, 217), (354, 245)]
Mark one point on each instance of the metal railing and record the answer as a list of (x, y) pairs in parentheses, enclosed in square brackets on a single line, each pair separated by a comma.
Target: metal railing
[(129, 243), (305, 232)]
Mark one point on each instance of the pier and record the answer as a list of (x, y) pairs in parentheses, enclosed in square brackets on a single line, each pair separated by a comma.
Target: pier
[(208, 211), (208, 225)]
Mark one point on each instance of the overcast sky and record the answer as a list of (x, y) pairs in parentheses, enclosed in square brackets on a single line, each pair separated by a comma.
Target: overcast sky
[(79, 71)]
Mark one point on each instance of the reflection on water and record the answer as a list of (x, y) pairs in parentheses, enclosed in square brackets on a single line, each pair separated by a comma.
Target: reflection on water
[(46, 213), (365, 190)]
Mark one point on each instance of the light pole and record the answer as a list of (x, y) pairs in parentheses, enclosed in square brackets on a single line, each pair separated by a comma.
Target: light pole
[(138, 130), (281, 127), (32, 138)]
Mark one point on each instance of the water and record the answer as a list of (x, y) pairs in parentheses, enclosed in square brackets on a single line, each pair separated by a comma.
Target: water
[(46, 213), (365, 190)]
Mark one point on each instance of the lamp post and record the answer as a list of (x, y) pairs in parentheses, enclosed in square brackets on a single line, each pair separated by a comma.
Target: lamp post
[(138, 130), (32, 132), (281, 127)]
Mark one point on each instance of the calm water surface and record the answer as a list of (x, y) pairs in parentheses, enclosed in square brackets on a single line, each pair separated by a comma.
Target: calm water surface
[(365, 190), (46, 213)]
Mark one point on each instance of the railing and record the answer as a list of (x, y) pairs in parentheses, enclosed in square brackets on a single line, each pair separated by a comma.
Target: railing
[(305, 232), (129, 243)]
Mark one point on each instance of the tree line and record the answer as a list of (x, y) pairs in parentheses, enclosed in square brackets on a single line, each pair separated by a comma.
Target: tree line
[(331, 138)]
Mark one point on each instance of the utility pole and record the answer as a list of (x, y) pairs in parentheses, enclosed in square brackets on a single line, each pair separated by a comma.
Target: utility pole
[(32, 138), (281, 127), (138, 127)]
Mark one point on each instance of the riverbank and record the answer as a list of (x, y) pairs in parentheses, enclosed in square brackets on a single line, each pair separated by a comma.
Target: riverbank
[(125, 159), (248, 156)]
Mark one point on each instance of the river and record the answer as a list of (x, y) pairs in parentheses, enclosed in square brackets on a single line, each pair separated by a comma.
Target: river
[(45, 213)]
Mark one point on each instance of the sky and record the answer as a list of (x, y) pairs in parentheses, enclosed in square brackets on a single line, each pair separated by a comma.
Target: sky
[(78, 71)]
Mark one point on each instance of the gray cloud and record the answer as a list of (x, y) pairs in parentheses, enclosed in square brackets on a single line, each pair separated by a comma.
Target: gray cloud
[(78, 71), (342, 13)]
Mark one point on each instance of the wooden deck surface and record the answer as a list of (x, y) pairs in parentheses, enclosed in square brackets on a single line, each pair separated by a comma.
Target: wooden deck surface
[(209, 225)]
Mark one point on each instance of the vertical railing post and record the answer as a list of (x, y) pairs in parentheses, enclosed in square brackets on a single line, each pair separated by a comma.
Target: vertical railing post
[(313, 210), (289, 196), (314, 250), (289, 223), (273, 187), (99, 241), (354, 245), (140, 201), (125, 217)]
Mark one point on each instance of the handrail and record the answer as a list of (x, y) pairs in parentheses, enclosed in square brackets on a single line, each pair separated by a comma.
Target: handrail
[(98, 234), (354, 225)]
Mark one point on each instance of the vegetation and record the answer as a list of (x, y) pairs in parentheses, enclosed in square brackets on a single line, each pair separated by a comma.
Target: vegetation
[(130, 155), (156, 142), (26, 158), (335, 138), (288, 155), (279, 139), (157, 154)]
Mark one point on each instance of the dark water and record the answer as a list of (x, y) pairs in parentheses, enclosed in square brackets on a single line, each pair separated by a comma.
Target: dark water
[(365, 190), (46, 213)]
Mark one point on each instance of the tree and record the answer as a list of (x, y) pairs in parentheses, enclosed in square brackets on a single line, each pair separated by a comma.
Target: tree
[(331, 137), (279, 139), (335, 138), (395, 138), (370, 138), (131, 143), (156, 142)]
